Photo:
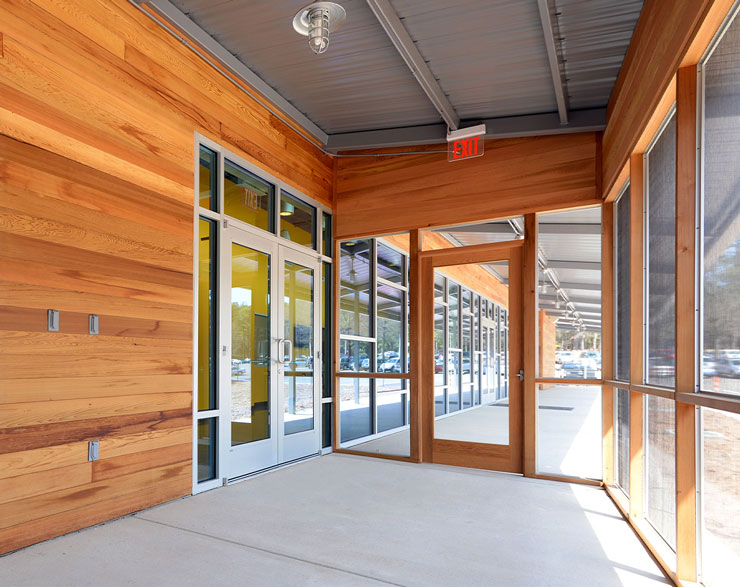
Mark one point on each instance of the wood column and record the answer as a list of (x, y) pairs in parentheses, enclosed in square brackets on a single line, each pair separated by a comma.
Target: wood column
[(686, 319), (607, 339), (529, 294), (636, 333), (415, 344)]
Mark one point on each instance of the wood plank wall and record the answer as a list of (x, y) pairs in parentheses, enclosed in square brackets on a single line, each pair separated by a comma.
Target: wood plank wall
[(383, 195), (98, 109)]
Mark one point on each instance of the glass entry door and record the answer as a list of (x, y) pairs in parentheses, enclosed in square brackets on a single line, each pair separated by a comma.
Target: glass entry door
[(269, 353)]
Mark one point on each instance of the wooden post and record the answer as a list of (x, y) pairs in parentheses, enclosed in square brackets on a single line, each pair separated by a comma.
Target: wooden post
[(335, 350), (426, 393), (529, 294), (607, 340), (636, 333), (415, 344), (686, 169)]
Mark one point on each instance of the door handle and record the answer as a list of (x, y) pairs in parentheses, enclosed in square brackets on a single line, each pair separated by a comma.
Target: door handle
[(521, 374), (286, 357)]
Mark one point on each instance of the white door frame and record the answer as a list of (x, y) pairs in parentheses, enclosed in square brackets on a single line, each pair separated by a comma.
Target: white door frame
[(251, 457)]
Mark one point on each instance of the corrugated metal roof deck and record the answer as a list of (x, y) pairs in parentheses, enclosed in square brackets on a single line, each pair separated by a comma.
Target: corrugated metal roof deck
[(488, 56)]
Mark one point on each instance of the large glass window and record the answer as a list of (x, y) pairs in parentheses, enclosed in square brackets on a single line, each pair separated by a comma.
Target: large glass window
[(569, 294), (207, 321), (721, 217), (355, 266), (569, 430), (660, 466), (622, 287), (373, 338), (622, 439), (297, 221), (248, 198), (721, 498), (661, 258)]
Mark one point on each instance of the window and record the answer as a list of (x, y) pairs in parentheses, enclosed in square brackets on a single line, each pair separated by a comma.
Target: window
[(721, 218), (660, 206), (660, 466), (326, 234), (208, 179), (622, 287), (721, 498), (569, 295), (373, 338), (622, 439), (297, 221), (248, 198)]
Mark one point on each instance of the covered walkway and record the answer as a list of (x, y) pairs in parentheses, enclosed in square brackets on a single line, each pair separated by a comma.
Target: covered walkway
[(348, 520)]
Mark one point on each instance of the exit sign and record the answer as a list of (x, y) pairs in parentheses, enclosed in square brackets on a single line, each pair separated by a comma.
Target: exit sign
[(466, 143)]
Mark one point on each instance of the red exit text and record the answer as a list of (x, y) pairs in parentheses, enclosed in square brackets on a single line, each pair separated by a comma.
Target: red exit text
[(465, 148)]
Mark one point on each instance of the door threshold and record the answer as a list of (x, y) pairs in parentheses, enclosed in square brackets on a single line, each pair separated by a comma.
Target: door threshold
[(270, 469)]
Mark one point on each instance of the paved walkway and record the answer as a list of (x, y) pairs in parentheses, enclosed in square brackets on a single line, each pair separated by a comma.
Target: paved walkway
[(344, 520)]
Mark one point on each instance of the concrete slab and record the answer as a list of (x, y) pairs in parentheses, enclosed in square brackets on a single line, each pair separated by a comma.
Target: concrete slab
[(350, 520)]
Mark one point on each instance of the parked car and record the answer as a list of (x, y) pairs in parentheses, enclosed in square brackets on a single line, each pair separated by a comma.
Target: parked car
[(391, 366), (728, 368), (709, 366), (573, 370), (365, 364)]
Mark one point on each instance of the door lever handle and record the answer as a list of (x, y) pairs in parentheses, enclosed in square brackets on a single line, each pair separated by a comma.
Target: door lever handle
[(521, 374)]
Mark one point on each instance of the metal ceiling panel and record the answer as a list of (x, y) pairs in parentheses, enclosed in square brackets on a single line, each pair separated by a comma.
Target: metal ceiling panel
[(360, 83), (489, 57), (594, 36)]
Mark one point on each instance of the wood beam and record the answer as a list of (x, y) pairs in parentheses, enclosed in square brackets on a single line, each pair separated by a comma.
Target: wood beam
[(426, 393), (636, 333), (529, 293), (686, 414), (416, 363), (607, 339)]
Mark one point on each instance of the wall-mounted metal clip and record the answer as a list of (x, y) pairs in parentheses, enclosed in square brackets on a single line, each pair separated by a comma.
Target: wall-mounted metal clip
[(53, 320)]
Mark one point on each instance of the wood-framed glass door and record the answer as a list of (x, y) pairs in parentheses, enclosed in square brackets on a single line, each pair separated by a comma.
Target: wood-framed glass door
[(269, 353), (480, 423)]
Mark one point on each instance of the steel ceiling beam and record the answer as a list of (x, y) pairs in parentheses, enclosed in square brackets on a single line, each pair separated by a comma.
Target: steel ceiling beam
[(575, 299), (573, 285), (558, 81), (505, 228), (585, 265), (531, 125), (406, 47)]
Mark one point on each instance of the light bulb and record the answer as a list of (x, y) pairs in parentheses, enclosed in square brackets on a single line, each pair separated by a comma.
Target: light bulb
[(318, 30)]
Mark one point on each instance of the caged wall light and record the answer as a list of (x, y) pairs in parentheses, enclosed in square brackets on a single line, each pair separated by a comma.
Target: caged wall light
[(316, 21)]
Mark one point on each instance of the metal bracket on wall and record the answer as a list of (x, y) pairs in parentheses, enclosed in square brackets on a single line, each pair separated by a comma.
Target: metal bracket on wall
[(52, 317)]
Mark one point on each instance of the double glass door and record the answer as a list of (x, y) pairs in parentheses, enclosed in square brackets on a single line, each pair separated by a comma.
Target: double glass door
[(270, 358)]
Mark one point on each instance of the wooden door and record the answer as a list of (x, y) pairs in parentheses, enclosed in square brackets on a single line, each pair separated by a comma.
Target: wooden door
[(487, 435)]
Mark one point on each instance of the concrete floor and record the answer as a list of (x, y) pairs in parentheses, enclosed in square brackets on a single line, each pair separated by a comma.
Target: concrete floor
[(569, 431), (344, 520)]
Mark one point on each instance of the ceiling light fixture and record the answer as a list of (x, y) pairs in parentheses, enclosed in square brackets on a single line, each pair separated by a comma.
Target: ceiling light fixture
[(316, 21), (286, 209)]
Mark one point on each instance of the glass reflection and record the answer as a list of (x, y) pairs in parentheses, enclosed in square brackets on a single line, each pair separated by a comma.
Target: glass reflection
[(297, 221), (250, 345), (298, 376), (355, 283), (207, 179), (391, 330), (207, 314), (355, 409), (247, 197)]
